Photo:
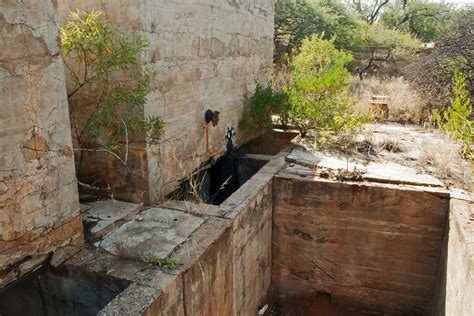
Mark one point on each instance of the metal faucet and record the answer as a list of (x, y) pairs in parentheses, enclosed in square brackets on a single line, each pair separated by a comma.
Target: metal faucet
[(228, 136)]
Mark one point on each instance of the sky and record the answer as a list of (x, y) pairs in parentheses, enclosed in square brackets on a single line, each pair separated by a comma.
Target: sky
[(460, 1)]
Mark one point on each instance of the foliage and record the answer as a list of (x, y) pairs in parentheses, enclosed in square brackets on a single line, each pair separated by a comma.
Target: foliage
[(405, 105), (431, 74), (106, 107), (369, 10), (318, 89), (380, 47), (161, 263), (455, 120), (427, 21), (298, 19), (260, 107)]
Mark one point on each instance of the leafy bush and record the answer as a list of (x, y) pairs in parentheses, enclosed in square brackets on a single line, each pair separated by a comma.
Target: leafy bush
[(108, 89), (298, 19), (432, 73), (318, 88), (455, 120), (260, 107), (426, 20), (106, 92), (378, 47)]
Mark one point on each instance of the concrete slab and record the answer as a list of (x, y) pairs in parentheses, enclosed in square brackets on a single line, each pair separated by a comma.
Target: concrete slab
[(398, 174), (100, 217), (387, 172), (199, 209), (154, 233)]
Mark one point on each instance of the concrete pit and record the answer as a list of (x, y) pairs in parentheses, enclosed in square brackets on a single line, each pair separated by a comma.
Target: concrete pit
[(296, 242)]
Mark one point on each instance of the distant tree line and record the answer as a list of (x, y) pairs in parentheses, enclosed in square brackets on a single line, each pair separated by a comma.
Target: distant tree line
[(376, 32)]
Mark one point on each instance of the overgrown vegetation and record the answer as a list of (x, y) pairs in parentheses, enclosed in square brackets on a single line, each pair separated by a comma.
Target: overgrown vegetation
[(455, 120), (406, 105), (352, 28), (314, 96), (425, 20), (431, 74), (108, 89), (379, 49), (296, 20), (318, 88), (162, 263), (262, 105)]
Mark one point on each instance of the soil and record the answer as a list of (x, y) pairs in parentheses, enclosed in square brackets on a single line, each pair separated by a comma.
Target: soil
[(425, 150)]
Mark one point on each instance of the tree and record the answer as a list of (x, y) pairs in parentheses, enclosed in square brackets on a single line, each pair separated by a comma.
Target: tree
[(431, 74), (107, 88), (298, 19), (380, 47), (455, 120), (425, 20), (261, 106), (369, 10), (318, 87)]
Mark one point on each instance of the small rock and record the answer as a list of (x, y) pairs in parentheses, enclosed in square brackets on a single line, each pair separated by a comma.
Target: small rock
[(3, 187)]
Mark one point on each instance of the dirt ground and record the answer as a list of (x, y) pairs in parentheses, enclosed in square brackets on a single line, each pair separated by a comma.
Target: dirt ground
[(425, 150)]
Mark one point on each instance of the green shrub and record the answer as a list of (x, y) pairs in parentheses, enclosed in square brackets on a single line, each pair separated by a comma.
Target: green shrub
[(261, 106), (108, 90), (455, 120), (319, 89)]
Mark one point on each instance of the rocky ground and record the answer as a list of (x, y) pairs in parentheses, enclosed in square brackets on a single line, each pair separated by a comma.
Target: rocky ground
[(403, 149)]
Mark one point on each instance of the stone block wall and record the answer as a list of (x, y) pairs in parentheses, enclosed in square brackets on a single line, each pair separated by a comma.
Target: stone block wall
[(208, 55), (39, 210), (455, 284), (225, 264), (370, 246)]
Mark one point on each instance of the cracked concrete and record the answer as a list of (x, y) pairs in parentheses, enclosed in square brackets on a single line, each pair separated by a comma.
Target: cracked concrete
[(154, 233), (39, 211), (101, 217), (208, 56)]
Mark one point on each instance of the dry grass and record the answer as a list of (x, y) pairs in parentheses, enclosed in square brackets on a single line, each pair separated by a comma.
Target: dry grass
[(442, 156), (405, 104), (391, 144), (126, 252)]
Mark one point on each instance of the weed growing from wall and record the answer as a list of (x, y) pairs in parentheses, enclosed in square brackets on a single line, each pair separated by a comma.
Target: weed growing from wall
[(107, 88), (262, 105), (455, 120)]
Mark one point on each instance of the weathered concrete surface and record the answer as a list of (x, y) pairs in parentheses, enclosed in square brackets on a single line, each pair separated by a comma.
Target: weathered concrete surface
[(199, 209), (206, 287), (386, 172), (100, 217), (225, 263), (250, 210), (455, 284), (208, 55), (154, 233), (39, 210), (371, 246)]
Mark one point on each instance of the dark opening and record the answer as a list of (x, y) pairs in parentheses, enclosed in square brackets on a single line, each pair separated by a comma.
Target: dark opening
[(60, 291), (270, 143), (217, 181)]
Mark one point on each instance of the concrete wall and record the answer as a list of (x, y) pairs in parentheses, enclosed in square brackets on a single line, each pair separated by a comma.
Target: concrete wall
[(39, 210), (455, 284), (225, 263), (368, 245), (232, 274), (208, 55)]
